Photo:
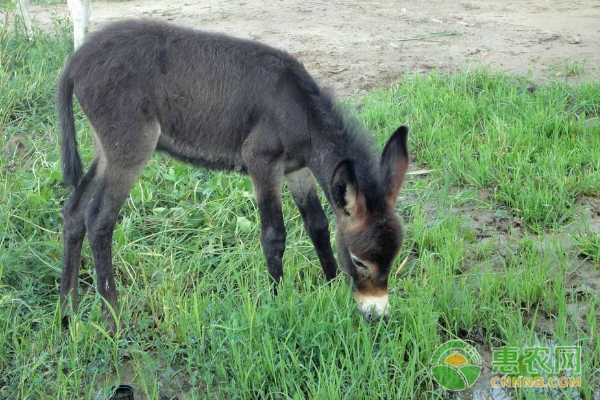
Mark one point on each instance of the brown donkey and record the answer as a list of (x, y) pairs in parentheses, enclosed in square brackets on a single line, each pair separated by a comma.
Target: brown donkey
[(229, 104)]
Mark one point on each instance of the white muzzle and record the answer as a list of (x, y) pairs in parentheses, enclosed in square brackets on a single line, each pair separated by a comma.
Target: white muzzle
[(373, 307)]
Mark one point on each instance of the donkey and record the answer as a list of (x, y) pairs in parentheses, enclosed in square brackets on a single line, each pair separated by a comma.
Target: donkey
[(229, 104)]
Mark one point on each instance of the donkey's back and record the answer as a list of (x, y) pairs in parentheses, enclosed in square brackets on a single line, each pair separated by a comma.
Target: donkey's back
[(204, 92)]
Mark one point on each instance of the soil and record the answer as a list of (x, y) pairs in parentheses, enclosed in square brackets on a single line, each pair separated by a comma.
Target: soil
[(355, 46)]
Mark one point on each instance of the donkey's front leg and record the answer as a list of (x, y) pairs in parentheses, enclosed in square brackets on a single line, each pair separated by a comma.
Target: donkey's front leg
[(304, 191), (272, 228), (267, 178)]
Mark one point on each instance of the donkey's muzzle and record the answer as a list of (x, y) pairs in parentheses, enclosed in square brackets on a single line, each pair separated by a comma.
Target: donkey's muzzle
[(373, 307)]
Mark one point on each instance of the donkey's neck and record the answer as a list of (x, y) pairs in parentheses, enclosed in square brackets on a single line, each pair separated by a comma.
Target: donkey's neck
[(330, 148), (322, 163), (335, 137)]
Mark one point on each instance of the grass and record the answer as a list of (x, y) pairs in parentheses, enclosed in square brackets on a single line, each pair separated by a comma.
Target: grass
[(489, 130), (199, 318)]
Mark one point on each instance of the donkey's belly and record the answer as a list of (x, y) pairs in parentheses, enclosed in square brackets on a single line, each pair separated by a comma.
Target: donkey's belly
[(232, 161)]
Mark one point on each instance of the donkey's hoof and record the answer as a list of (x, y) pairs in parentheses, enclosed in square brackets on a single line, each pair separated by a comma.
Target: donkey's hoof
[(123, 392), (111, 327), (65, 322)]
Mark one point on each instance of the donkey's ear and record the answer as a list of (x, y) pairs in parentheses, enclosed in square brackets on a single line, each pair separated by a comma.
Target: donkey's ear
[(394, 163), (347, 196)]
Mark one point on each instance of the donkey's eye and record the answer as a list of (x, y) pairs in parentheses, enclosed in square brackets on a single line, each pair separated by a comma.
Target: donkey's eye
[(358, 263)]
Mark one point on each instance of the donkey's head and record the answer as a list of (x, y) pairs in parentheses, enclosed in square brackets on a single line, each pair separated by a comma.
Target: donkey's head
[(369, 233)]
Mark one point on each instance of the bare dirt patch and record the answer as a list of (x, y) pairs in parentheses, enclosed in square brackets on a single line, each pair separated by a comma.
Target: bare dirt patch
[(356, 46)]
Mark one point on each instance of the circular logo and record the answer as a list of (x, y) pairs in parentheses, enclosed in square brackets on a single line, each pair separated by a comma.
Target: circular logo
[(455, 365)]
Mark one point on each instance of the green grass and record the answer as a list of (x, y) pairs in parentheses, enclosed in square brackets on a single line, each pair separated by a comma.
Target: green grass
[(488, 130), (588, 245), (198, 315)]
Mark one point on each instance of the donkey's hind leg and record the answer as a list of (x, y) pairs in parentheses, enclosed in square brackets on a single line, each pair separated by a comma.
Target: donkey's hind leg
[(304, 191), (73, 235), (118, 170)]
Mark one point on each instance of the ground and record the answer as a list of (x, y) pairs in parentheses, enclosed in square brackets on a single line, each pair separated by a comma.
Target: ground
[(501, 212), (356, 46)]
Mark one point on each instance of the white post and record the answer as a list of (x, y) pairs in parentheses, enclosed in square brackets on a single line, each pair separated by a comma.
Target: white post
[(24, 9), (80, 14)]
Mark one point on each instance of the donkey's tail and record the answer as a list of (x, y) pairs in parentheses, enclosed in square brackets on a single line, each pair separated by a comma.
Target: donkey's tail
[(71, 162)]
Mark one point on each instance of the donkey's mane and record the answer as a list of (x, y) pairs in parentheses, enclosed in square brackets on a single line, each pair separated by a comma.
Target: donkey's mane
[(340, 127), (357, 145)]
